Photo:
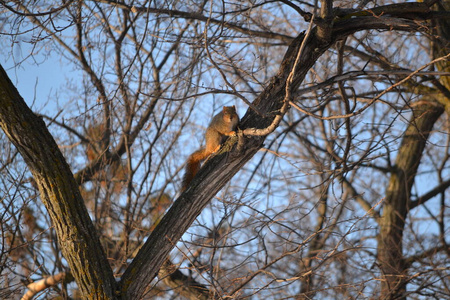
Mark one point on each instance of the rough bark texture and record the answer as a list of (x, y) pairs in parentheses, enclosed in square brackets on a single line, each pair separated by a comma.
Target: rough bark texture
[(219, 170), (441, 47), (214, 175), (59, 193), (395, 209), (396, 204)]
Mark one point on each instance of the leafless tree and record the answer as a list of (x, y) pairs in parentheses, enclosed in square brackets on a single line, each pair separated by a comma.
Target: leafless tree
[(334, 187)]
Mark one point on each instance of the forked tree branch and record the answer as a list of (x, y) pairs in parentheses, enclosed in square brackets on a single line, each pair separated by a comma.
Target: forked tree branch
[(59, 191), (221, 168)]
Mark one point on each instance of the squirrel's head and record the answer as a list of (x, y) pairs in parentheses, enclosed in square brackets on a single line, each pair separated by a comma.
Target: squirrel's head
[(229, 114)]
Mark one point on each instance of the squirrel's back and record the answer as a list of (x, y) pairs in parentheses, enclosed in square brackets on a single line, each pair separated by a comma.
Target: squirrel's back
[(222, 125)]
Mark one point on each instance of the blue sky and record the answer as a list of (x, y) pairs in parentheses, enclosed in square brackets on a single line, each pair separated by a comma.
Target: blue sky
[(35, 82)]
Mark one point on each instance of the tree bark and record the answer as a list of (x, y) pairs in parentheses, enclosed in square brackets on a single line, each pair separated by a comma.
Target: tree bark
[(395, 209), (59, 193), (441, 47), (397, 201), (76, 233), (221, 168)]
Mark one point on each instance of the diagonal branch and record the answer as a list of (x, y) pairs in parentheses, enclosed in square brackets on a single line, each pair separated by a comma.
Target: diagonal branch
[(59, 192), (217, 171), (434, 192), (40, 285), (222, 167)]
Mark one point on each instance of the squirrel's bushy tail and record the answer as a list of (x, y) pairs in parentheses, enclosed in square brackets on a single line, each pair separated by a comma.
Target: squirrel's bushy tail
[(193, 165)]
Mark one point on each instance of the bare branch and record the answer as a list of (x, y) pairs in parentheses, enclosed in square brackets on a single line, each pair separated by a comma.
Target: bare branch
[(40, 285), (279, 115), (200, 17), (39, 14), (431, 194)]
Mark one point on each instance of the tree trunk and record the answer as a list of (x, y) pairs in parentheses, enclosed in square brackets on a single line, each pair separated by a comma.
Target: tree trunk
[(441, 47), (59, 193), (395, 209)]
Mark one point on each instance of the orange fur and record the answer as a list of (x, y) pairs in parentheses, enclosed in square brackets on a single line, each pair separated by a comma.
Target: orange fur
[(222, 125)]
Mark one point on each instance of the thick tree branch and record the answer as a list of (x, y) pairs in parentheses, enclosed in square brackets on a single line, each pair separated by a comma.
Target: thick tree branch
[(434, 192), (59, 193), (395, 210), (221, 168), (325, 22), (217, 171)]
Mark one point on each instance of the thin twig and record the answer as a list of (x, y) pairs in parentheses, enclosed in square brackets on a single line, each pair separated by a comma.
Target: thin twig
[(286, 101), (373, 99)]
